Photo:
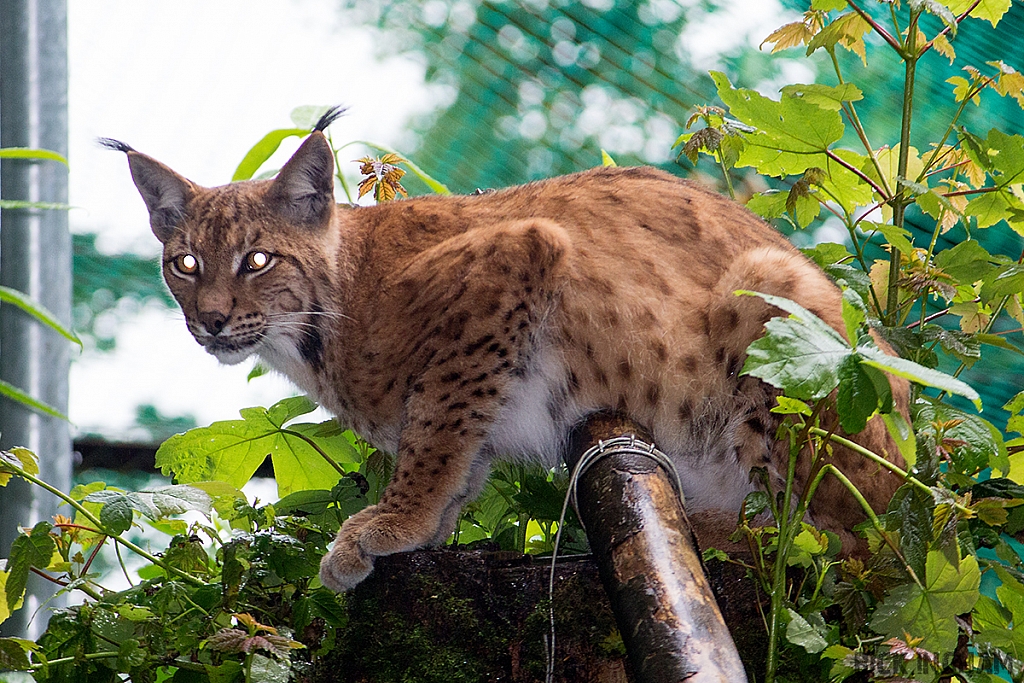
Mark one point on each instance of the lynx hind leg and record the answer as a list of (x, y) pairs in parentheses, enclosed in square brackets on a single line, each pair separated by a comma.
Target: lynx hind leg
[(784, 273), (489, 292)]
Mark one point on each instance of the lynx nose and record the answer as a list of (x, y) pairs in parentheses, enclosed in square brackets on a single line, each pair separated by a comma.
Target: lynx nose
[(213, 321)]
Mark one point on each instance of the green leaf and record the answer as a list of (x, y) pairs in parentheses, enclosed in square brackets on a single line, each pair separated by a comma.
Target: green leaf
[(1003, 281), (15, 394), (989, 10), (231, 451), (824, 96), (14, 653), (768, 205), (263, 150), (33, 550), (981, 444), (894, 235), (805, 208), (800, 632), (40, 313), (967, 262), (828, 5), (901, 367), (222, 496), (15, 204), (258, 370), (845, 186), (606, 159), (856, 398), (118, 506), (903, 435), (791, 406), (847, 29), (992, 207), (29, 153), (854, 312), (799, 354), (827, 253), (930, 612), (288, 409), (18, 457), (792, 134)]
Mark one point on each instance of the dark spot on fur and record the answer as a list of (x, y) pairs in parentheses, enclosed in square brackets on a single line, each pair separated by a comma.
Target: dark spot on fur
[(417, 388), (732, 319), (653, 394), (573, 382), (312, 347), (624, 369), (478, 344), (705, 323), (659, 350), (685, 411), (756, 424), (451, 377), (458, 405), (601, 377), (720, 355)]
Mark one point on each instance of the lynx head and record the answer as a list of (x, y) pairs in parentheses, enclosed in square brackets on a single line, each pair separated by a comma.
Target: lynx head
[(239, 258)]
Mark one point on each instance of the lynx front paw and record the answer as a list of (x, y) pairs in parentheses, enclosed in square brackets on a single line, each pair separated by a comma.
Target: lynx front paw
[(367, 535), (344, 567), (346, 564), (390, 533)]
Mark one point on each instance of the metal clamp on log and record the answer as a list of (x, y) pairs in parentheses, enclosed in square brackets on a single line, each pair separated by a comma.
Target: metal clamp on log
[(626, 499)]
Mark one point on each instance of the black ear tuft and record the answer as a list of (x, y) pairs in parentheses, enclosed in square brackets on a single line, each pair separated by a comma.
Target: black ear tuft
[(304, 189), (329, 117), (113, 144)]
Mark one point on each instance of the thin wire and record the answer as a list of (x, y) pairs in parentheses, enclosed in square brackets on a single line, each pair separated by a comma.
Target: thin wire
[(620, 445)]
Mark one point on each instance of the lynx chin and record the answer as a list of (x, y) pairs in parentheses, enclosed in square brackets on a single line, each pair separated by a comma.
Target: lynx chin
[(453, 331)]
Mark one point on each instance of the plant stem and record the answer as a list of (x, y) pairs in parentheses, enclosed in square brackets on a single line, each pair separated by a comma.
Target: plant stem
[(329, 459), (725, 174), (64, 660), (886, 36), (874, 457), (779, 575), (868, 511), (858, 127), (899, 203), (99, 525)]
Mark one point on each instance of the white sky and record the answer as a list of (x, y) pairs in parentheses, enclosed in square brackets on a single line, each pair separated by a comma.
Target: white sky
[(195, 84)]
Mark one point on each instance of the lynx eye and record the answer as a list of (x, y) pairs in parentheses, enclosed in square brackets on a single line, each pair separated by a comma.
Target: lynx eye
[(256, 260), (186, 263)]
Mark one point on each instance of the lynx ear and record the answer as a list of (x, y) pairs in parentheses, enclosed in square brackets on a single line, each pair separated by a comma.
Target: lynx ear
[(165, 192), (303, 191)]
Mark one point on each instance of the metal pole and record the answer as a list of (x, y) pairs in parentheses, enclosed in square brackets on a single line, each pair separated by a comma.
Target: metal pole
[(647, 558), (35, 258)]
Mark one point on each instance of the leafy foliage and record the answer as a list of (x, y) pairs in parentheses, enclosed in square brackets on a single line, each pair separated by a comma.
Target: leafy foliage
[(920, 589)]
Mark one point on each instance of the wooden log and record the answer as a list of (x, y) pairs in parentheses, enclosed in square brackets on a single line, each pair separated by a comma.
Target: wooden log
[(647, 558)]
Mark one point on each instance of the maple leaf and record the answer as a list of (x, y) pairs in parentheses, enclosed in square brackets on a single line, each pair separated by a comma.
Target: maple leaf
[(797, 33), (1009, 82), (382, 177)]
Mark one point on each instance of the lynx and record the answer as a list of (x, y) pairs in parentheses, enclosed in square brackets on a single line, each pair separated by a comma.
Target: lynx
[(459, 329)]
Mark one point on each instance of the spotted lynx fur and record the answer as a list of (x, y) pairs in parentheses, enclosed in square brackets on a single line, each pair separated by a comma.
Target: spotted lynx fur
[(456, 330)]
